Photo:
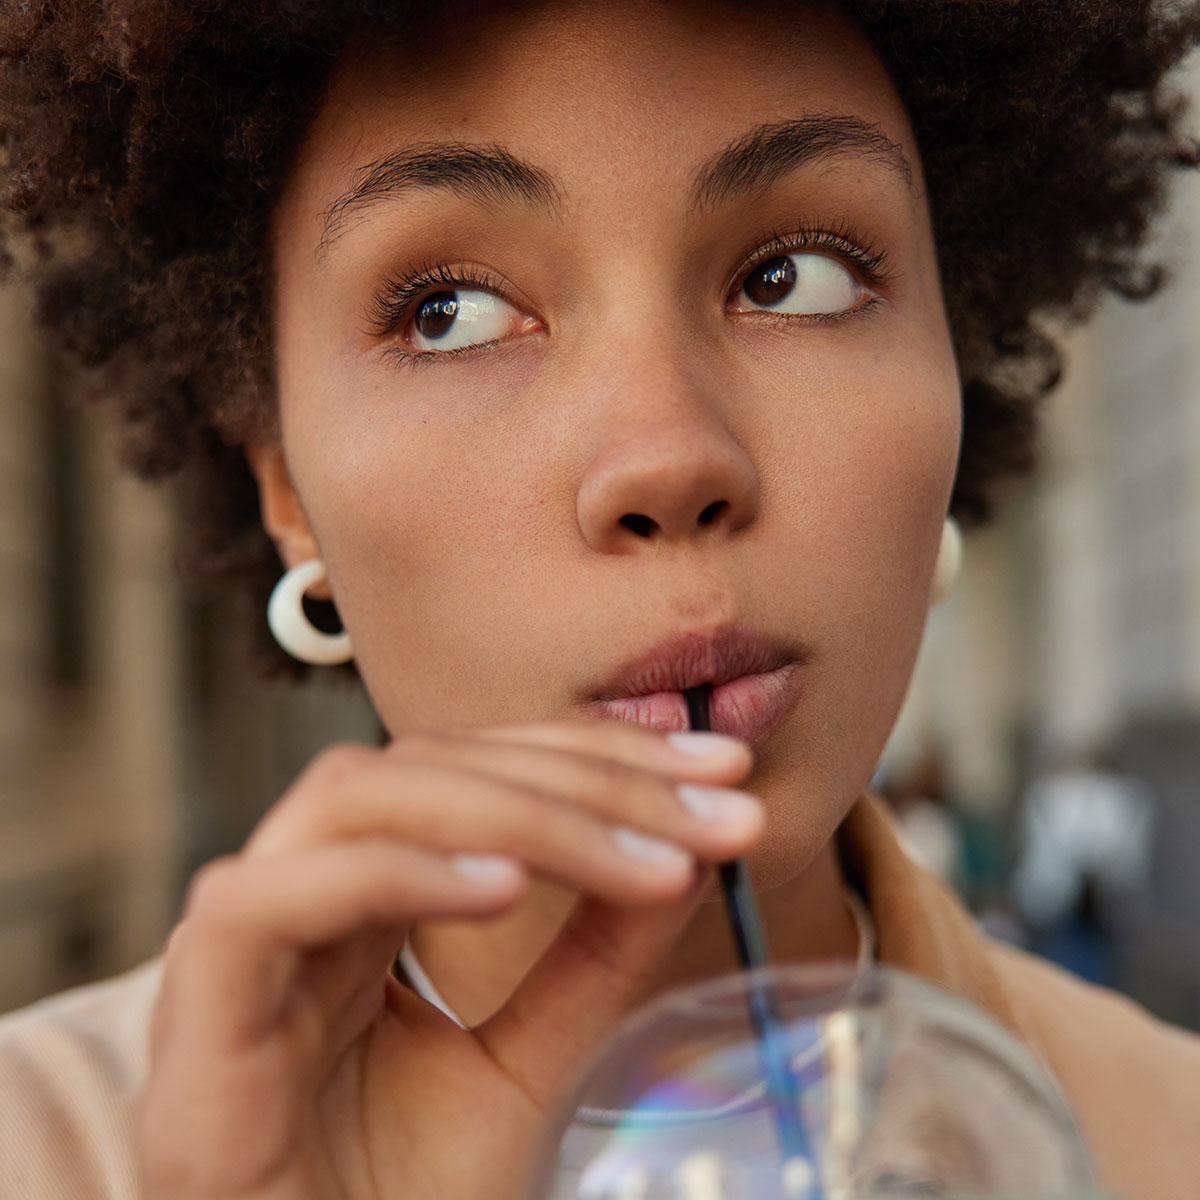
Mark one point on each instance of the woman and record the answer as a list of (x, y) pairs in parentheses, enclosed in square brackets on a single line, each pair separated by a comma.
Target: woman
[(580, 354)]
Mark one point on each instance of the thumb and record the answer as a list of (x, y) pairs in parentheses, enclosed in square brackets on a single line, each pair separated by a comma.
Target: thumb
[(581, 987)]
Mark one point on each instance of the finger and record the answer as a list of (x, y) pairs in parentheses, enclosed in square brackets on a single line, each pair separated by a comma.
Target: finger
[(233, 962), (582, 986), (705, 756), (239, 1045), (712, 822), (443, 808)]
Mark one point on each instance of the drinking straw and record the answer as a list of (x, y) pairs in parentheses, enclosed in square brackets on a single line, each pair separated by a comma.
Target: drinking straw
[(763, 1005)]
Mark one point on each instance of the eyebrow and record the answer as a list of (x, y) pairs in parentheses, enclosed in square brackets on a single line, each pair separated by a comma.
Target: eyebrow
[(770, 151), (491, 174), (485, 174)]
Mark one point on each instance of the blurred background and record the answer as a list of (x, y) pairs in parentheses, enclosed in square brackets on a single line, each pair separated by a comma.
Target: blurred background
[(1047, 761)]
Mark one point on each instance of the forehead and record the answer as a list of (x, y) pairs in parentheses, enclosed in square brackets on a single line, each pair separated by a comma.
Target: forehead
[(605, 100)]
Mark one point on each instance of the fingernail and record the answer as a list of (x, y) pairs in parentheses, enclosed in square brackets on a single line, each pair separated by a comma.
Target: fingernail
[(699, 744), (719, 804), (649, 849), (485, 868)]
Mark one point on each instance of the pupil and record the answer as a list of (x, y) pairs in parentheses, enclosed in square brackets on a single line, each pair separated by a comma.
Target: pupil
[(436, 315), (772, 281)]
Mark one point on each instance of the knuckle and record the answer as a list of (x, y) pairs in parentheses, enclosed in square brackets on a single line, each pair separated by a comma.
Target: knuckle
[(335, 765), (659, 797), (555, 824), (527, 819), (634, 794), (614, 775), (627, 795), (209, 890), (519, 818)]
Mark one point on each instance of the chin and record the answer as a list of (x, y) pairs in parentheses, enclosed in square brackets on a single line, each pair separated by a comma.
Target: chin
[(772, 865)]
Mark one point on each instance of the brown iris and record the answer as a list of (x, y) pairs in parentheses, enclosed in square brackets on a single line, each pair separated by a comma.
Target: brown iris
[(436, 315), (771, 282)]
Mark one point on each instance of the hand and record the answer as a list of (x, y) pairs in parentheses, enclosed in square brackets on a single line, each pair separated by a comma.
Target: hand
[(287, 1063)]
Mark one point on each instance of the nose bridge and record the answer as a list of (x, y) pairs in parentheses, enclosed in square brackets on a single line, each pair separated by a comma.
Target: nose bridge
[(664, 461)]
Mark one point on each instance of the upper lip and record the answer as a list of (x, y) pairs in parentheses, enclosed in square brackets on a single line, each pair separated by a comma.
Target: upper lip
[(693, 659)]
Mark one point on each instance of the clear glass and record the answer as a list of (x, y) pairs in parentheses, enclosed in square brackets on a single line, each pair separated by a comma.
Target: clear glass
[(900, 1090)]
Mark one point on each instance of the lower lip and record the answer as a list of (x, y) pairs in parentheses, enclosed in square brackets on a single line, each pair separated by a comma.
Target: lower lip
[(748, 707)]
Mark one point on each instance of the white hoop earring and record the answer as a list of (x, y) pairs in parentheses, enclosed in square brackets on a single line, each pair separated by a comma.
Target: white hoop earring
[(290, 624), (949, 561)]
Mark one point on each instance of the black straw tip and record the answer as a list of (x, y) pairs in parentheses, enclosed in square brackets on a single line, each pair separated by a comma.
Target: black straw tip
[(697, 704)]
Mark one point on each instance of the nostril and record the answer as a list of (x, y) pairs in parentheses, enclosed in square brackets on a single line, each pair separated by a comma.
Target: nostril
[(642, 526), (714, 510)]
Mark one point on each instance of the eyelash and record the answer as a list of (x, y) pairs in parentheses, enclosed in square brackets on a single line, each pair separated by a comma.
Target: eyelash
[(398, 296), (841, 240), (393, 306)]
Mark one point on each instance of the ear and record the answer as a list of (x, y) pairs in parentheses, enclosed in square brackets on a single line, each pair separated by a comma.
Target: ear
[(282, 516)]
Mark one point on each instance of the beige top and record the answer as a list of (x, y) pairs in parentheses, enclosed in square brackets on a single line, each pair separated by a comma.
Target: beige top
[(71, 1066)]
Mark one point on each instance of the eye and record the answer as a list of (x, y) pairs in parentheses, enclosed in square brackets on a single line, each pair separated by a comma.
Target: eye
[(463, 317), (813, 285)]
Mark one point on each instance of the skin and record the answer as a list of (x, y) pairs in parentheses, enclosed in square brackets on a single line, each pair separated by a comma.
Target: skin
[(468, 512)]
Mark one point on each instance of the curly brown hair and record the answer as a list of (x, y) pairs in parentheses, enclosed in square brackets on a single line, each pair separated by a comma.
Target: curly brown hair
[(146, 145)]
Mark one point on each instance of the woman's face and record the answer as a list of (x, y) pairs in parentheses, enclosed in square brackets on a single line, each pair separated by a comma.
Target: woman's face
[(600, 325)]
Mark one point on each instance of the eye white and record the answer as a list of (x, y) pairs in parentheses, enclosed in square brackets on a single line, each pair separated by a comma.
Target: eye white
[(802, 284), (455, 319)]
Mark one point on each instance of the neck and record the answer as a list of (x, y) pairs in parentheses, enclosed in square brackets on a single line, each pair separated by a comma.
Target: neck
[(476, 967)]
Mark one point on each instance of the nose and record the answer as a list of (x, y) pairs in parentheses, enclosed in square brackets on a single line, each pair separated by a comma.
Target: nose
[(664, 467)]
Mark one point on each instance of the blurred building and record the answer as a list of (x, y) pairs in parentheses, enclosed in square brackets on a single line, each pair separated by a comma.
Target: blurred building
[(89, 724), (134, 743), (1075, 630)]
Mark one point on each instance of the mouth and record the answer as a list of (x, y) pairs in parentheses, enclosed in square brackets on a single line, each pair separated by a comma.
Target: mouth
[(754, 684)]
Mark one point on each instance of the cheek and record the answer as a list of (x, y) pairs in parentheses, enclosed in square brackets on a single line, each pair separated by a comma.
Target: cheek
[(864, 481), (401, 478), (427, 529), (861, 455), (891, 492), (886, 477)]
